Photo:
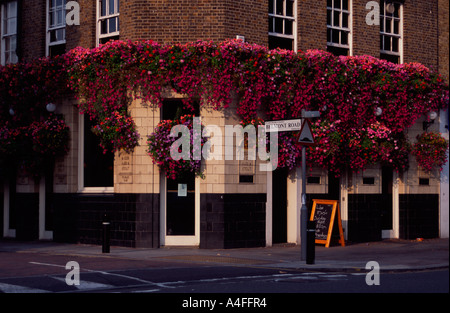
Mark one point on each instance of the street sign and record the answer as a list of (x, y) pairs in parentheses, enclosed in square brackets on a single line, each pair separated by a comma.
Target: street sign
[(306, 137), (283, 125)]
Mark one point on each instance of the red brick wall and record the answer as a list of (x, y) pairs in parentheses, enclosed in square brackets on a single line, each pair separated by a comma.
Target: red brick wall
[(182, 21), (443, 38), (31, 29), (84, 34), (420, 32), (366, 38), (172, 21), (312, 24), (189, 20), (248, 18)]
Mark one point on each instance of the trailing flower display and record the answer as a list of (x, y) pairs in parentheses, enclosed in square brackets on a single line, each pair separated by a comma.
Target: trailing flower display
[(289, 153), (367, 146), (35, 145), (26, 88), (326, 153), (159, 145), (255, 122), (28, 133), (431, 151), (275, 84)]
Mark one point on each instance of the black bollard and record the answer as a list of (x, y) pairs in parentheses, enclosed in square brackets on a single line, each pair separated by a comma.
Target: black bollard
[(106, 230), (311, 242)]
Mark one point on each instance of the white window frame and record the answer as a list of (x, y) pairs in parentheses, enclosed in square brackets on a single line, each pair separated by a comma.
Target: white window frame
[(50, 28), (340, 28), (9, 35), (285, 18), (107, 17), (389, 17)]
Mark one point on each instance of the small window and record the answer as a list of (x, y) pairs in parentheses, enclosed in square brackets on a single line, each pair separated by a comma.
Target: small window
[(9, 33), (390, 31), (245, 178), (368, 180), (56, 27), (282, 24), (338, 27), (424, 181), (173, 109), (315, 180), (108, 20)]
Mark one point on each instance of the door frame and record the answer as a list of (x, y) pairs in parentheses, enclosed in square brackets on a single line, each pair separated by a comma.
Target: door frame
[(293, 196), (43, 233), (7, 231), (395, 231), (167, 240)]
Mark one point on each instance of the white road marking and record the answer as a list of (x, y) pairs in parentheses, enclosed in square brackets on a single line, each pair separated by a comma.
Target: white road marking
[(48, 264), (86, 284), (333, 275), (145, 291), (162, 285), (173, 284), (8, 288)]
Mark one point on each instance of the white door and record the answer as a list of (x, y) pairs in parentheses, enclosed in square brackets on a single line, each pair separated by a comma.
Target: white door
[(180, 211)]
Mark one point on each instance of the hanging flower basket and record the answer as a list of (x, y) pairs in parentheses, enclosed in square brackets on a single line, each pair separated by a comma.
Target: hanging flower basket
[(430, 151), (50, 137), (160, 144), (117, 132)]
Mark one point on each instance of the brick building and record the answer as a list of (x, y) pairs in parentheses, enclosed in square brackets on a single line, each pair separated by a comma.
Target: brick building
[(226, 211)]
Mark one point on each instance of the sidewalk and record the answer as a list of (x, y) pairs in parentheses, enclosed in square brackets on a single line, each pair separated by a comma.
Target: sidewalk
[(391, 255)]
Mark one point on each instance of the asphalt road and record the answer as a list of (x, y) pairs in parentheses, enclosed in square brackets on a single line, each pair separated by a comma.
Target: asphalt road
[(51, 273)]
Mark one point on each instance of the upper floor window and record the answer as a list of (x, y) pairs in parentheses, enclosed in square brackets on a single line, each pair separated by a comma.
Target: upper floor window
[(391, 31), (9, 33), (56, 27), (338, 27), (107, 20), (282, 24)]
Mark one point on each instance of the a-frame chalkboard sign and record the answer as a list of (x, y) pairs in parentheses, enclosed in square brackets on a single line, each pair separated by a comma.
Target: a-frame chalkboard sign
[(325, 212)]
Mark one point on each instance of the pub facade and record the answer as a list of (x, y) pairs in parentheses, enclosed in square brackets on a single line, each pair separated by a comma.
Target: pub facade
[(234, 203)]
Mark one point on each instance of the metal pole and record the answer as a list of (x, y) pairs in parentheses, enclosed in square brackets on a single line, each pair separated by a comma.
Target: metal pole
[(311, 242), (304, 209), (106, 234)]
